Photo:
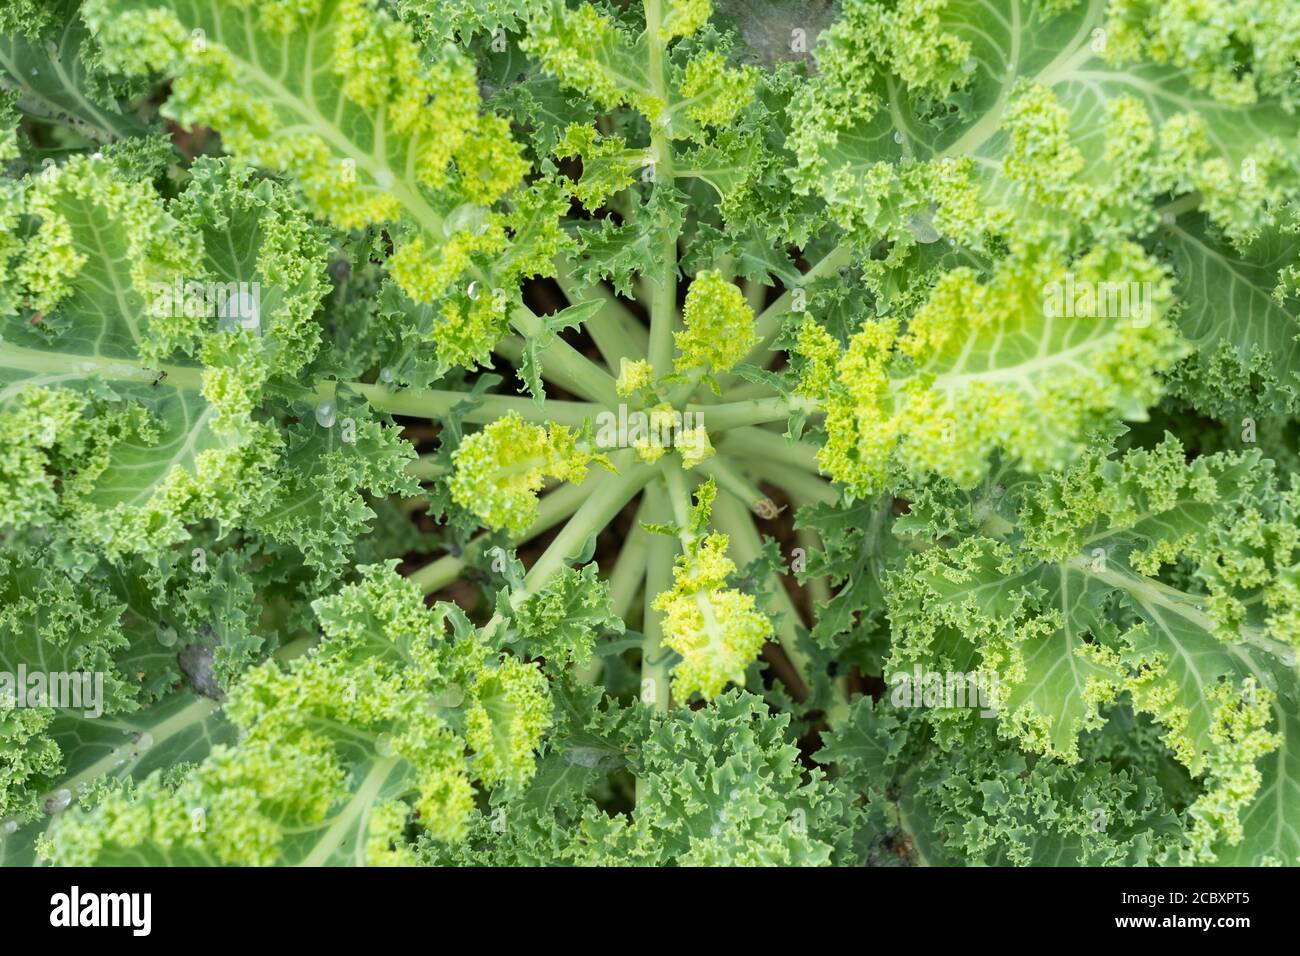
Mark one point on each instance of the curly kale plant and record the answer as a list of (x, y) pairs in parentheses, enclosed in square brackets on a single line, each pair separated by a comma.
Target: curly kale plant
[(540, 432)]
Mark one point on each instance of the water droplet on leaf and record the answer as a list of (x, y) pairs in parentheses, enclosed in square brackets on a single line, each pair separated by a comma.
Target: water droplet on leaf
[(58, 801), (922, 229), (166, 634), (326, 413), (589, 757), (453, 695), (467, 217)]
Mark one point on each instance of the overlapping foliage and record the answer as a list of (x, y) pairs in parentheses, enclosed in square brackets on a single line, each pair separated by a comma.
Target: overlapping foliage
[(608, 412)]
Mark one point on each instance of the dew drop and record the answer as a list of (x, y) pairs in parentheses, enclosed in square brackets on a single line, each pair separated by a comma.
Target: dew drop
[(467, 217), (384, 745), (8, 827), (166, 634), (968, 65), (471, 291), (58, 801), (898, 136), (143, 741), (715, 830), (386, 374), (326, 413), (588, 757), (922, 229), (453, 695)]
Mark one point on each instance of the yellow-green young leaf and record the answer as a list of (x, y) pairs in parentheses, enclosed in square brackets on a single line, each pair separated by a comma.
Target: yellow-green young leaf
[(1024, 363), (633, 376), (590, 51), (504, 725), (719, 325), (500, 470), (684, 17), (718, 630), (607, 164)]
